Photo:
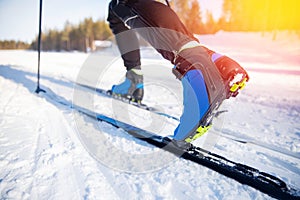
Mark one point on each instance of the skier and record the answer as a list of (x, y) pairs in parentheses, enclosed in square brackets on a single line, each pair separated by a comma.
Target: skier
[(208, 78)]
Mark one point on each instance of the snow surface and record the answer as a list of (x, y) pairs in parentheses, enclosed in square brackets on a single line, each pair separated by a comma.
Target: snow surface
[(50, 151)]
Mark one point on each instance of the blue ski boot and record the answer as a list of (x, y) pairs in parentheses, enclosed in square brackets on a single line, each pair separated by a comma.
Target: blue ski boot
[(208, 79), (132, 88)]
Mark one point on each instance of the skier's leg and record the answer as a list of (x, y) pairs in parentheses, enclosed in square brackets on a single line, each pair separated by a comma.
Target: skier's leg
[(161, 27), (127, 41)]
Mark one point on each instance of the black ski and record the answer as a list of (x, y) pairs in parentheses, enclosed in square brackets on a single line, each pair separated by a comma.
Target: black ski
[(108, 94), (244, 174)]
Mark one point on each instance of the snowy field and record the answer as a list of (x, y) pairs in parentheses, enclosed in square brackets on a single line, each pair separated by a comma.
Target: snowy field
[(50, 151)]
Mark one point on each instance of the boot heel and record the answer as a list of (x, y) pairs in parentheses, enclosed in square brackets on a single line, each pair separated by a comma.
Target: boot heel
[(138, 95)]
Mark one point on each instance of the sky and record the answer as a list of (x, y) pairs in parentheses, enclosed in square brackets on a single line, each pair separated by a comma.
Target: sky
[(19, 18)]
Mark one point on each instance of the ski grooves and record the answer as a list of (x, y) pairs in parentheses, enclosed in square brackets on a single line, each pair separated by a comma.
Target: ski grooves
[(244, 174), (223, 134), (251, 141), (142, 106)]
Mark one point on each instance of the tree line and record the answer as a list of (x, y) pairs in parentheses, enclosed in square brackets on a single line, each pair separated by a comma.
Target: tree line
[(12, 44), (79, 37), (237, 15), (191, 15), (240, 15)]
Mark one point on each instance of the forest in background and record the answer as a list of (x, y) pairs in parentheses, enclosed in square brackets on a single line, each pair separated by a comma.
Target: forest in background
[(237, 15)]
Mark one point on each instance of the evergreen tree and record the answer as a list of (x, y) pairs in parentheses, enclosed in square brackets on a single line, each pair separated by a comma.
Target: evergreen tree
[(181, 7), (189, 13), (87, 28), (211, 26), (194, 22), (65, 36)]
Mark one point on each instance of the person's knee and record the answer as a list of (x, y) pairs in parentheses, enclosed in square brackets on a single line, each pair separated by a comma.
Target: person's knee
[(115, 23)]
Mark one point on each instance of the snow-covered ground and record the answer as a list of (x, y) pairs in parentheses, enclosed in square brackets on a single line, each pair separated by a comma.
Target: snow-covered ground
[(50, 151)]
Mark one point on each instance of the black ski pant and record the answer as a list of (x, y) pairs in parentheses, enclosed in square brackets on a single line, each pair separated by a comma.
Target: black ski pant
[(155, 22), (160, 26)]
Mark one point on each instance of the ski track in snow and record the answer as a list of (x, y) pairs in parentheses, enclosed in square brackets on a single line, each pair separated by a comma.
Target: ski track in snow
[(42, 157)]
